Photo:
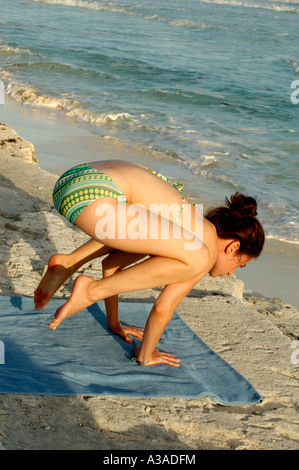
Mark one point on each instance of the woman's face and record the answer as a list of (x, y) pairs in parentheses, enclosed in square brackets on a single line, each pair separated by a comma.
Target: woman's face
[(228, 262)]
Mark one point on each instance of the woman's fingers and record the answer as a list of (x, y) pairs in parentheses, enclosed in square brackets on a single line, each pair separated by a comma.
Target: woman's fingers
[(132, 330), (159, 357), (124, 331), (165, 358)]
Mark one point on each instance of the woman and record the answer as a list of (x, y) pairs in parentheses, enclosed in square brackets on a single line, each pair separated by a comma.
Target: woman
[(134, 214)]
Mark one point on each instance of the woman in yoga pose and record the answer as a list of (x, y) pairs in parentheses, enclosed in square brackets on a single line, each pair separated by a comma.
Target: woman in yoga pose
[(140, 219)]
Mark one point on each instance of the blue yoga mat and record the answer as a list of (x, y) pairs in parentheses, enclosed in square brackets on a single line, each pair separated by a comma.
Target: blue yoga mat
[(82, 357)]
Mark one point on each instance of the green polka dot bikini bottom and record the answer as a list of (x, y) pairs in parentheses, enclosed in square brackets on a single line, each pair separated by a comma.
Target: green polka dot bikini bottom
[(79, 187), (82, 184)]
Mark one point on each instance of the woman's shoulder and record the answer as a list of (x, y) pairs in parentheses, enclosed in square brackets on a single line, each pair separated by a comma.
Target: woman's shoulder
[(210, 238)]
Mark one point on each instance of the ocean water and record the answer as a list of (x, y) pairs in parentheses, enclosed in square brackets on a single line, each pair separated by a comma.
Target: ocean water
[(209, 86)]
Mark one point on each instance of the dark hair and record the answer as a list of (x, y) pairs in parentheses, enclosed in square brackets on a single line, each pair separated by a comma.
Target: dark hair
[(238, 221)]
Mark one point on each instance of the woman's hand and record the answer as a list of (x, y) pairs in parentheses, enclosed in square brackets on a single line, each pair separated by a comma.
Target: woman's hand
[(124, 330), (159, 357)]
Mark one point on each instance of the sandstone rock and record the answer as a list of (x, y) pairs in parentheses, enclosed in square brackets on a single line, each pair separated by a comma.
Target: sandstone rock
[(16, 146)]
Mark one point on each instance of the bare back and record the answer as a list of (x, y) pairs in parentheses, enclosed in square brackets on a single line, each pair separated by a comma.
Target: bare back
[(139, 185)]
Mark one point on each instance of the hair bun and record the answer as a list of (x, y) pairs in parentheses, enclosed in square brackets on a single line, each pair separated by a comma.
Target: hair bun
[(242, 206)]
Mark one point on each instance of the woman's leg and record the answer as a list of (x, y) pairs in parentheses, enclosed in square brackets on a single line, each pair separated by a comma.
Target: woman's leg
[(61, 267), (113, 263), (171, 262)]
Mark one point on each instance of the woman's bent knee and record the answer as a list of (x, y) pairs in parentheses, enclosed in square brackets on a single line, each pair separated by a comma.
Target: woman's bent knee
[(108, 266)]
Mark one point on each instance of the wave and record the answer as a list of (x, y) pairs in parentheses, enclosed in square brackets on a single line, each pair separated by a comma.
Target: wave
[(64, 69), (200, 168), (180, 96), (33, 98), (293, 64), (179, 22), (89, 5), (287, 6), (208, 161), (219, 178), (78, 111), (96, 118), (290, 8), (9, 50), (73, 109), (127, 10), (280, 239)]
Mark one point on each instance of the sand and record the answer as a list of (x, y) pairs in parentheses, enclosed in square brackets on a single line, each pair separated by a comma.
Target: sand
[(256, 334)]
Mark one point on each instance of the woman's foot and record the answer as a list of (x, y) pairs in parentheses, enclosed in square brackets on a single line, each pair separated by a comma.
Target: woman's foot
[(78, 301), (57, 273)]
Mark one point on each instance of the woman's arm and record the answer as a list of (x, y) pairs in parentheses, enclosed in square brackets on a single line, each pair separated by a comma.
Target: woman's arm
[(160, 316)]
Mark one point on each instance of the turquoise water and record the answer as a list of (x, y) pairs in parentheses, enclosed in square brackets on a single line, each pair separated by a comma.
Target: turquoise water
[(204, 85)]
